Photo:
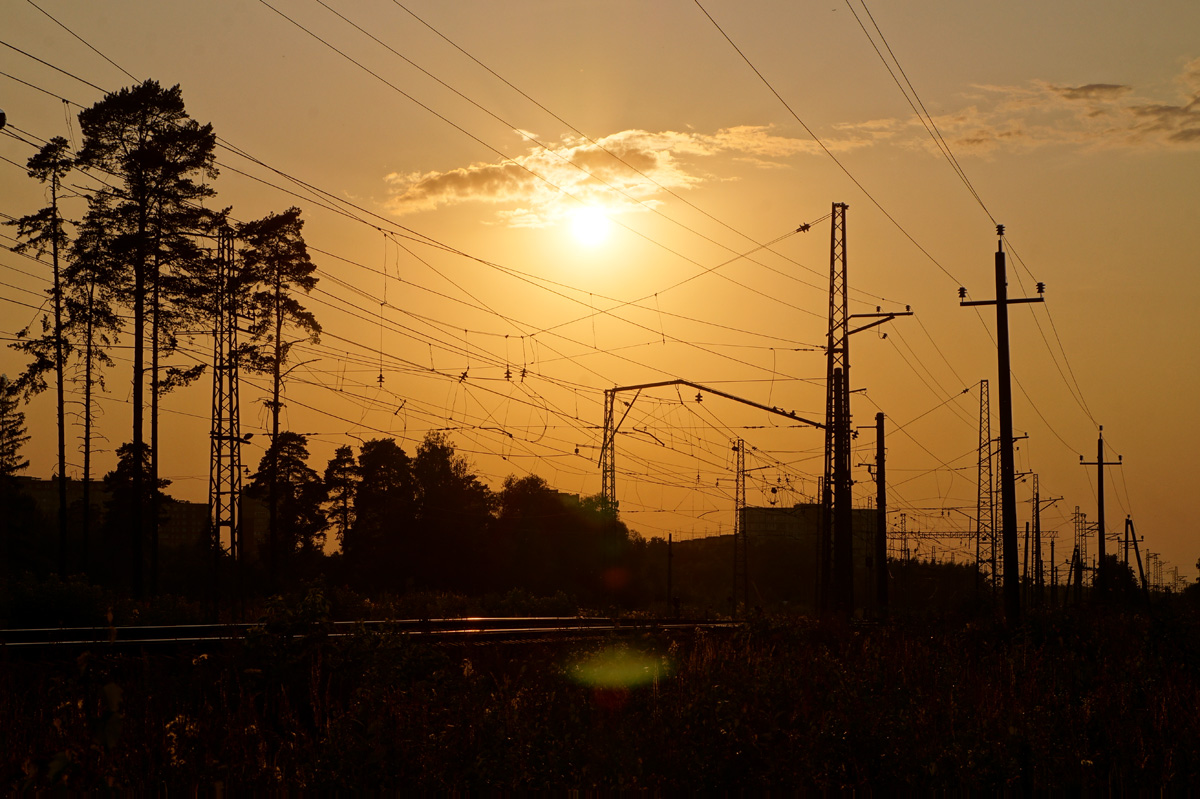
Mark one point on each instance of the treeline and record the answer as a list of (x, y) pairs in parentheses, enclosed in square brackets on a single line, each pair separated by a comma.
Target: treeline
[(426, 522), (131, 242), (404, 523)]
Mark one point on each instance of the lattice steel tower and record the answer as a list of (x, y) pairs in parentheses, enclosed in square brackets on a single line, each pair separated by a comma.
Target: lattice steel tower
[(985, 503), (225, 465), (608, 457), (837, 568)]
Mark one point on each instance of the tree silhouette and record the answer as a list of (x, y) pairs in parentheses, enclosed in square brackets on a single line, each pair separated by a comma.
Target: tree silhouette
[(299, 493), (12, 432), (92, 278), (377, 547), (551, 541), (130, 490), (155, 154), (18, 515), (341, 481), (43, 232), (275, 266), (453, 515)]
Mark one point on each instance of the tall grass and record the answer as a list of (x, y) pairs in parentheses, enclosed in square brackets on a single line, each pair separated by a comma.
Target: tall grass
[(1067, 702)]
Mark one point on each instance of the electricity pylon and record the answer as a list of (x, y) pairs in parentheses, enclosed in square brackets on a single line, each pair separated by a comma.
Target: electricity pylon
[(837, 536), (225, 466), (985, 505)]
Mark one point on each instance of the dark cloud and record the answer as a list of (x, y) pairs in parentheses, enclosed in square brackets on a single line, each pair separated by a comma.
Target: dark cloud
[(1105, 92)]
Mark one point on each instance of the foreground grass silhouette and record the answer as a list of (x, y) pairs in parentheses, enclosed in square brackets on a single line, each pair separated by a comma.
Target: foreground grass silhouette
[(1070, 701)]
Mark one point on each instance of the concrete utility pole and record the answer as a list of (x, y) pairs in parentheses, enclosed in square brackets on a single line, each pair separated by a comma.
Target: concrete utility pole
[(741, 548), (1137, 552), (881, 573), (1102, 575), (1008, 492)]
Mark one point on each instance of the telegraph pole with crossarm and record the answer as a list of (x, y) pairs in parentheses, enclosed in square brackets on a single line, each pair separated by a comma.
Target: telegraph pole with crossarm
[(1008, 492), (1101, 569)]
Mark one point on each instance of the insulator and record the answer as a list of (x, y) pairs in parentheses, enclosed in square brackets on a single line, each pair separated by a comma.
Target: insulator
[(1041, 287), (999, 230), (962, 292)]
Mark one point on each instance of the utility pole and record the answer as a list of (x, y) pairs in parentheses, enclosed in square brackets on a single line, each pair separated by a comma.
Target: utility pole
[(1008, 494), (881, 572), (670, 569), (225, 465), (1137, 553), (1102, 576), (741, 569), (1053, 576)]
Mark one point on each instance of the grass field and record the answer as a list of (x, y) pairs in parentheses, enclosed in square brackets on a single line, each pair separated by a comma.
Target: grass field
[(1095, 701)]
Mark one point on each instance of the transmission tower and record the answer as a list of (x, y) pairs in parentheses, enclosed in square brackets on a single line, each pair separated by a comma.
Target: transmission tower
[(608, 457), (1080, 520), (837, 536), (985, 505), (837, 570), (225, 466)]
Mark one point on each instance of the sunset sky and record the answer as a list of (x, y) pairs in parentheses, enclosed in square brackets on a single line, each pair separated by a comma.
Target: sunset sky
[(514, 206)]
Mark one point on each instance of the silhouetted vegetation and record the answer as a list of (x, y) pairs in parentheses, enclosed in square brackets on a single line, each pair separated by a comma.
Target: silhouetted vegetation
[(1079, 702)]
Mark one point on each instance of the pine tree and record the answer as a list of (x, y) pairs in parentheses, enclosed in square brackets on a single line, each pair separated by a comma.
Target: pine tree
[(276, 266), (299, 493), (341, 481), (158, 157), (377, 546), (92, 280), (43, 232), (12, 432), (12, 438)]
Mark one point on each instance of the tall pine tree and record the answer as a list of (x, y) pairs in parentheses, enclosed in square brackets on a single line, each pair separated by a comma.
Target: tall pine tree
[(44, 232), (276, 267), (158, 158)]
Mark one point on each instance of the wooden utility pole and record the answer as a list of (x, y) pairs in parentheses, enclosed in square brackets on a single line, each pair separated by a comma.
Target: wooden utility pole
[(1008, 493)]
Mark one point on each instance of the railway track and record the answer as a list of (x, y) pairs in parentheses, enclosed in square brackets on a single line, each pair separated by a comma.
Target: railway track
[(466, 630)]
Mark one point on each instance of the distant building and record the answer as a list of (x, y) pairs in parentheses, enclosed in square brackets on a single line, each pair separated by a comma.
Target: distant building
[(184, 524), (801, 524)]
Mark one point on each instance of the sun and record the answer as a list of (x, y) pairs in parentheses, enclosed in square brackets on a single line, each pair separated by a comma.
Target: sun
[(591, 226)]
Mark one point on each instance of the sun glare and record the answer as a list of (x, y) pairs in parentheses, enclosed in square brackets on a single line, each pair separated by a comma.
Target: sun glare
[(590, 226)]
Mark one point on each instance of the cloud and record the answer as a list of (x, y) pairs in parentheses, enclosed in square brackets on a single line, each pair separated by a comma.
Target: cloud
[(625, 172), (1093, 115), (1105, 92)]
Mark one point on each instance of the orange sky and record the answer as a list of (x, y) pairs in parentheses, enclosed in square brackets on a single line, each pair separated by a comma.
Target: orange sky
[(476, 132)]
